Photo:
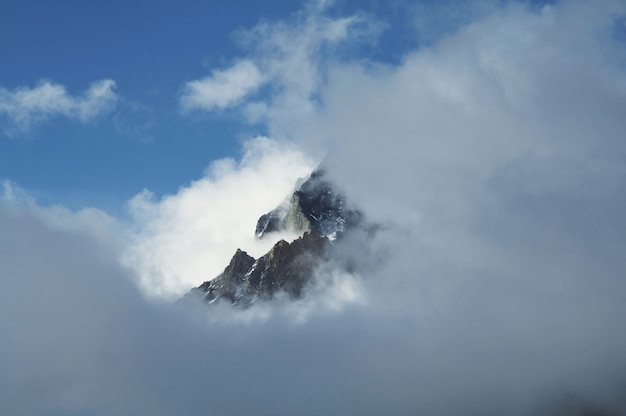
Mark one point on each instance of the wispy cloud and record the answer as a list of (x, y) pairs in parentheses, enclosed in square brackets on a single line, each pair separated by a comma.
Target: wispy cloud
[(287, 57), (223, 88), (24, 107)]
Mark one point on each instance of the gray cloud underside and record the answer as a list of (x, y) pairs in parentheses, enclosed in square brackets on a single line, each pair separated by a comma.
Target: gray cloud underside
[(78, 338)]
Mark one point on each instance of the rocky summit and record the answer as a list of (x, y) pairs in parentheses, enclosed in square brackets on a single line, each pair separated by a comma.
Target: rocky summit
[(316, 211), (314, 205)]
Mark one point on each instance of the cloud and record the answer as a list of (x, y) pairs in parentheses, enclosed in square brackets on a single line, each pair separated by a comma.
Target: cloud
[(494, 158), (24, 107), (78, 338), (223, 88), (286, 57), (185, 239)]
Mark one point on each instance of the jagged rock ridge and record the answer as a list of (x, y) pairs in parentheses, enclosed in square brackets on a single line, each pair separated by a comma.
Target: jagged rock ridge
[(315, 205), (287, 267), (315, 210)]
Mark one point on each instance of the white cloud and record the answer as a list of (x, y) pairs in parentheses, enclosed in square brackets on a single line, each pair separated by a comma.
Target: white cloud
[(24, 106), (185, 239), (12, 193), (495, 158), (223, 88), (295, 57), (513, 85), (288, 57)]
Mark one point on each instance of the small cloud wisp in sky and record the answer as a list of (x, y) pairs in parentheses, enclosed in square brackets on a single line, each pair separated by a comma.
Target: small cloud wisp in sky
[(25, 107), (223, 88)]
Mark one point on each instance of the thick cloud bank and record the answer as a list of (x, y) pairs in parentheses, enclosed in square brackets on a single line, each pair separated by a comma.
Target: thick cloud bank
[(495, 161)]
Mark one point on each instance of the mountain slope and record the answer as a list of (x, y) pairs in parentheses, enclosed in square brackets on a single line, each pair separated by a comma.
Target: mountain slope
[(314, 205), (315, 210)]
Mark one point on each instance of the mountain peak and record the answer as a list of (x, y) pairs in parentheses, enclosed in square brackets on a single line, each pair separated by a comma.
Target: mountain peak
[(314, 205), (316, 211)]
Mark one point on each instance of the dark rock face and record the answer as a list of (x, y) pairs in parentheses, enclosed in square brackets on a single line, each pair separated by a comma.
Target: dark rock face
[(228, 283), (287, 267), (316, 211), (315, 205)]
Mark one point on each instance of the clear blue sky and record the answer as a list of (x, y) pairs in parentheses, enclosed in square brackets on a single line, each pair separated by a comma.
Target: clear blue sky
[(150, 49)]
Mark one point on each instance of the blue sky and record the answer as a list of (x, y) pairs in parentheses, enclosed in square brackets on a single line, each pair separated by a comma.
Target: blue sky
[(150, 50)]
